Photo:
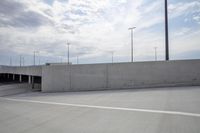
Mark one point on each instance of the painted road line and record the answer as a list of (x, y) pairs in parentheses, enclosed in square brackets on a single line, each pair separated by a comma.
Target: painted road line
[(106, 107)]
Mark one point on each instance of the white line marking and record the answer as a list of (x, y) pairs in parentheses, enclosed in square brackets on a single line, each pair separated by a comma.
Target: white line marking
[(107, 107)]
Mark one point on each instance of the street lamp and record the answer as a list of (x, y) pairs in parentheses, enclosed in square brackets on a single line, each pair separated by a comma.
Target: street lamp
[(132, 28), (23, 61), (112, 52), (34, 52), (10, 61), (20, 60), (61, 59), (68, 51), (77, 59), (155, 48), (166, 32)]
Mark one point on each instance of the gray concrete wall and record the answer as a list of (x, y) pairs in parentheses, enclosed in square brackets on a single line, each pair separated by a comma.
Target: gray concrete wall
[(154, 74), (88, 77), (24, 70), (11, 89), (120, 75), (55, 78)]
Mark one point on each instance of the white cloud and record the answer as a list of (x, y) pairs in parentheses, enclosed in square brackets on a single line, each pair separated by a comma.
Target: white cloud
[(197, 18), (181, 32), (185, 43), (183, 8), (93, 27)]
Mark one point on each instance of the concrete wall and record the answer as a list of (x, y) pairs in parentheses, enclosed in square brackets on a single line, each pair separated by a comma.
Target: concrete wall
[(154, 74), (24, 70), (120, 75), (88, 77), (55, 78), (11, 89)]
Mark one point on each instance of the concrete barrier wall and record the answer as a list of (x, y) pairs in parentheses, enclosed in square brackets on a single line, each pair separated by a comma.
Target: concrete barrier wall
[(154, 74), (88, 77), (12, 89), (120, 75), (55, 78)]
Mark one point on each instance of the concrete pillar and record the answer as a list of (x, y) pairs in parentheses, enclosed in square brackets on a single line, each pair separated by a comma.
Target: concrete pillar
[(29, 79), (20, 78), (13, 77), (33, 82)]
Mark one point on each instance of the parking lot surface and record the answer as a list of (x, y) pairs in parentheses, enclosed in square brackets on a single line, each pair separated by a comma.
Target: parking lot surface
[(151, 110)]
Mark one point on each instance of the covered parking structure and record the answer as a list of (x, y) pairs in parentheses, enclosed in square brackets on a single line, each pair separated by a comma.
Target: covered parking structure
[(28, 74)]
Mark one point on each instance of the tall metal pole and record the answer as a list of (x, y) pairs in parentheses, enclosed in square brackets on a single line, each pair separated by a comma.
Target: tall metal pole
[(166, 32), (112, 56), (68, 52), (132, 42), (23, 61), (61, 59), (34, 58), (77, 59), (20, 60), (38, 57), (155, 53), (10, 61)]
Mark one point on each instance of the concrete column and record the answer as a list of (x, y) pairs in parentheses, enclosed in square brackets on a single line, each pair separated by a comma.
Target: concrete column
[(20, 78), (29, 79), (33, 82), (8, 75)]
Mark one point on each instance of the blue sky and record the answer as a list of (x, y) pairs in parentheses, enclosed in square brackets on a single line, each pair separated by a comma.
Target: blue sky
[(95, 28)]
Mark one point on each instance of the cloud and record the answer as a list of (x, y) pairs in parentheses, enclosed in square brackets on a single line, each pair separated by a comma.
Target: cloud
[(182, 31), (196, 18), (10, 8), (184, 8), (15, 14), (93, 27)]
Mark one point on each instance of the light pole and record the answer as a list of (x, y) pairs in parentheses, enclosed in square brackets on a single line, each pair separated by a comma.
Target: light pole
[(68, 52), (20, 60), (155, 48), (10, 61), (23, 61), (77, 59), (61, 59), (112, 56), (39, 61), (34, 56), (38, 57), (166, 32), (132, 28)]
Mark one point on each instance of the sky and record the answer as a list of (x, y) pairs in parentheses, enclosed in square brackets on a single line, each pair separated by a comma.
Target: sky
[(95, 29)]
